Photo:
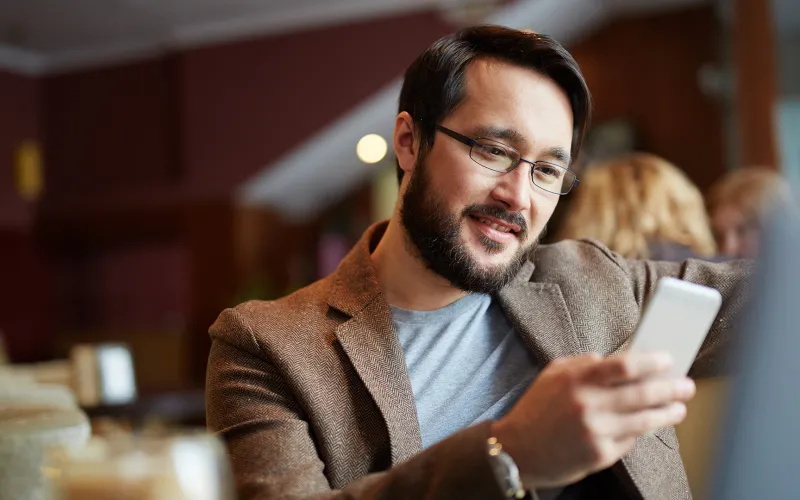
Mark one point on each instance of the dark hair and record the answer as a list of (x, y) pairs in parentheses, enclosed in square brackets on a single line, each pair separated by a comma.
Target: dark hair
[(434, 83)]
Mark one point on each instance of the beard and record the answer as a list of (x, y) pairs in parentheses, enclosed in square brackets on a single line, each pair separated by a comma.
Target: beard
[(434, 237)]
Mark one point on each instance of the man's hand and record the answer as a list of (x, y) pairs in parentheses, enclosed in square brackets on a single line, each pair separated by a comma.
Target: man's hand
[(582, 414)]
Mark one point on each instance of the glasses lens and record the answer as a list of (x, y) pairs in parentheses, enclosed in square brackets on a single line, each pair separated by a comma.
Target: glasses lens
[(494, 156), (552, 178)]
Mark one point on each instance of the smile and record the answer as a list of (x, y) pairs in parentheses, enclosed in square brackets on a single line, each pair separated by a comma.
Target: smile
[(495, 226), (494, 229)]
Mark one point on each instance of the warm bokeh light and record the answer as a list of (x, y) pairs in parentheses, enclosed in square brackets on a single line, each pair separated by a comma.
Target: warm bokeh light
[(371, 148)]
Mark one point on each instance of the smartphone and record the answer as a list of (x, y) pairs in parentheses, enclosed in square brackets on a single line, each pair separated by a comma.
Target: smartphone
[(677, 319)]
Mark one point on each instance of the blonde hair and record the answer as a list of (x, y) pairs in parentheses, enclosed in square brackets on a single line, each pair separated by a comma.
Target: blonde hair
[(753, 191), (631, 201)]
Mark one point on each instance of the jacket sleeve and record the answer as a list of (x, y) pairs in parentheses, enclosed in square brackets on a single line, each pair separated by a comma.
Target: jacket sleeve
[(271, 442), (732, 279)]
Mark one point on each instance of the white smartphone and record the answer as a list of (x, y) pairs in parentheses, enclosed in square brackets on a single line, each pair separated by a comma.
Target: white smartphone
[(677, 319)]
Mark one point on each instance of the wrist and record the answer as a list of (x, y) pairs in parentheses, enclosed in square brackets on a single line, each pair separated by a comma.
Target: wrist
[(511, 445), (505, 462)]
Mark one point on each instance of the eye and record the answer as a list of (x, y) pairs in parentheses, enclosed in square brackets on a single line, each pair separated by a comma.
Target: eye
[(495, 151), (548, 171)]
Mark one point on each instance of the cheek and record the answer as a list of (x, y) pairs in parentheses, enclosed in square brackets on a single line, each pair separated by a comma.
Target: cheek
[(463, 186), (450, 176), (543, 207), (455, 194)]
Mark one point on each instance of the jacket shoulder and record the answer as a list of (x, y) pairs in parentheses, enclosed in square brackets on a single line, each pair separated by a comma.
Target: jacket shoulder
[(575, 257), (258, 325)]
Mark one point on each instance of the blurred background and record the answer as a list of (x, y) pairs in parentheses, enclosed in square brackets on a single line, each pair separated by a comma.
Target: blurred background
[(162, 160)]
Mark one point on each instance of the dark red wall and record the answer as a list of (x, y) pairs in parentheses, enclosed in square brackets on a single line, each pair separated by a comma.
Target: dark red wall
[(19, 121), (29, 309), (108, 130), (247, 103), (26, 283), (646, 69)]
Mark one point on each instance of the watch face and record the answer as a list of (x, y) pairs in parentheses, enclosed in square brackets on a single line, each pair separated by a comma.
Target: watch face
[(505, 471)]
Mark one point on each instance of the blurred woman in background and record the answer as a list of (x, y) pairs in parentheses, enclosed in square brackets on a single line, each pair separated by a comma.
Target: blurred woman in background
[(739, 203), (641, 206)]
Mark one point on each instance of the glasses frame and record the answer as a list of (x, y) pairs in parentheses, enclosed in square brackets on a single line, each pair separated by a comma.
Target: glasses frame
[(468, 141)]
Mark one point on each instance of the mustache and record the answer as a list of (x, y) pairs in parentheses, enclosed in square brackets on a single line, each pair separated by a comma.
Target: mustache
[(498, 213)]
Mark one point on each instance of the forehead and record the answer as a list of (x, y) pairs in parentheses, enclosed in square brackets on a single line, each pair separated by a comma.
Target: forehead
[(501, 94)]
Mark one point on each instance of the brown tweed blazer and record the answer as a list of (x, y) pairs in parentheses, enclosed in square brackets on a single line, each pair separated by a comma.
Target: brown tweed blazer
[(312, 395)]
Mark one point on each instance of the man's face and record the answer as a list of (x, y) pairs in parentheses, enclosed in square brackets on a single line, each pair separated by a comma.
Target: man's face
[(472, 225)]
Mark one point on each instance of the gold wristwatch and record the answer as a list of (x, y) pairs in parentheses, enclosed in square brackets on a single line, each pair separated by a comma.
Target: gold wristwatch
[(505, 470)]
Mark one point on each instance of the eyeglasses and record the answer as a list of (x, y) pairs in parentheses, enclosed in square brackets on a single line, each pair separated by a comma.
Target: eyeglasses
[(499, 157)]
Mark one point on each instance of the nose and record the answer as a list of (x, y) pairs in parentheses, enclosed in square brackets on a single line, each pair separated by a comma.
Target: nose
[(513, 189)]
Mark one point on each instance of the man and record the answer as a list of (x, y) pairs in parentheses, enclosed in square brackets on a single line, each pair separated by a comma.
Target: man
[(448, 357)]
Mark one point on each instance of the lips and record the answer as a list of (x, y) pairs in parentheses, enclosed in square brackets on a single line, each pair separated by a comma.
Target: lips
[(493, 231), (503, 228), (496, 224)]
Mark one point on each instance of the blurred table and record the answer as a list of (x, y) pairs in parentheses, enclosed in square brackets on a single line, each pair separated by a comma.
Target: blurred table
[(180, 407)]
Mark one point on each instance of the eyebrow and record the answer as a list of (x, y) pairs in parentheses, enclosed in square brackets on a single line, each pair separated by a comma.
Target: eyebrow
[(516, 139), (559, 154), (502, 133)]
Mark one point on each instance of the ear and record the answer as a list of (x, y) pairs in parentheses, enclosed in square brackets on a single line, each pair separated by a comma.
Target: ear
[(406, 143)]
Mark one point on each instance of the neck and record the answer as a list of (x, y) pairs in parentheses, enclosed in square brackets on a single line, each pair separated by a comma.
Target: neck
[(404, 279)]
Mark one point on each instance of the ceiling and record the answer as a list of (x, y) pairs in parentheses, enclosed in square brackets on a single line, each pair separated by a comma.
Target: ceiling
[(39, 36)]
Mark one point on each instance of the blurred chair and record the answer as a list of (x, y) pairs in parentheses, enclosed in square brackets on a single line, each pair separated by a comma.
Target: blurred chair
[(641, 206), (699, 434), (3, 349), (103, 374), (95, 374), (32, 395), (58, 372), (160, 357)]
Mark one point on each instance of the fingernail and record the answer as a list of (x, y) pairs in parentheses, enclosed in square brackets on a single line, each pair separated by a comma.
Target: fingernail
[(679, 410), (663, 360), (686, 388)]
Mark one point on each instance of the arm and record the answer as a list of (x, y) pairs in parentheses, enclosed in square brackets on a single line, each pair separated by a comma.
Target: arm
[(732, 279), (271, 444)]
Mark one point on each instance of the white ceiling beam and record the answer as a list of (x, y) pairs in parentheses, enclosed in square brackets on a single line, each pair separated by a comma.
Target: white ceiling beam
[(23, 62)]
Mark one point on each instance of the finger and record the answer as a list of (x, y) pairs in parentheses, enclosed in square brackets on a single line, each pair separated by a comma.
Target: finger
[(577, 361), (623, 446), (644, 394), (627, 367), (628, 425)]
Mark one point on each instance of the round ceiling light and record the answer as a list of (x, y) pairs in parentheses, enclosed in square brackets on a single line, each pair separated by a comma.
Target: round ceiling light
[(372, 148)]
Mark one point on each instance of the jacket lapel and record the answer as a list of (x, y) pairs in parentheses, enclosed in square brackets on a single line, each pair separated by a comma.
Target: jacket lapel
[(368, 338), (539, 313)]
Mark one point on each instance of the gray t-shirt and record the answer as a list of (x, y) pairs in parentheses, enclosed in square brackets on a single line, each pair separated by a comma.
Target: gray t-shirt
[(466, 362)]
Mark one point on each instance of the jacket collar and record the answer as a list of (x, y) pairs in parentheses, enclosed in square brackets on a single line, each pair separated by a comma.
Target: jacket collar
[(369, 339)]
